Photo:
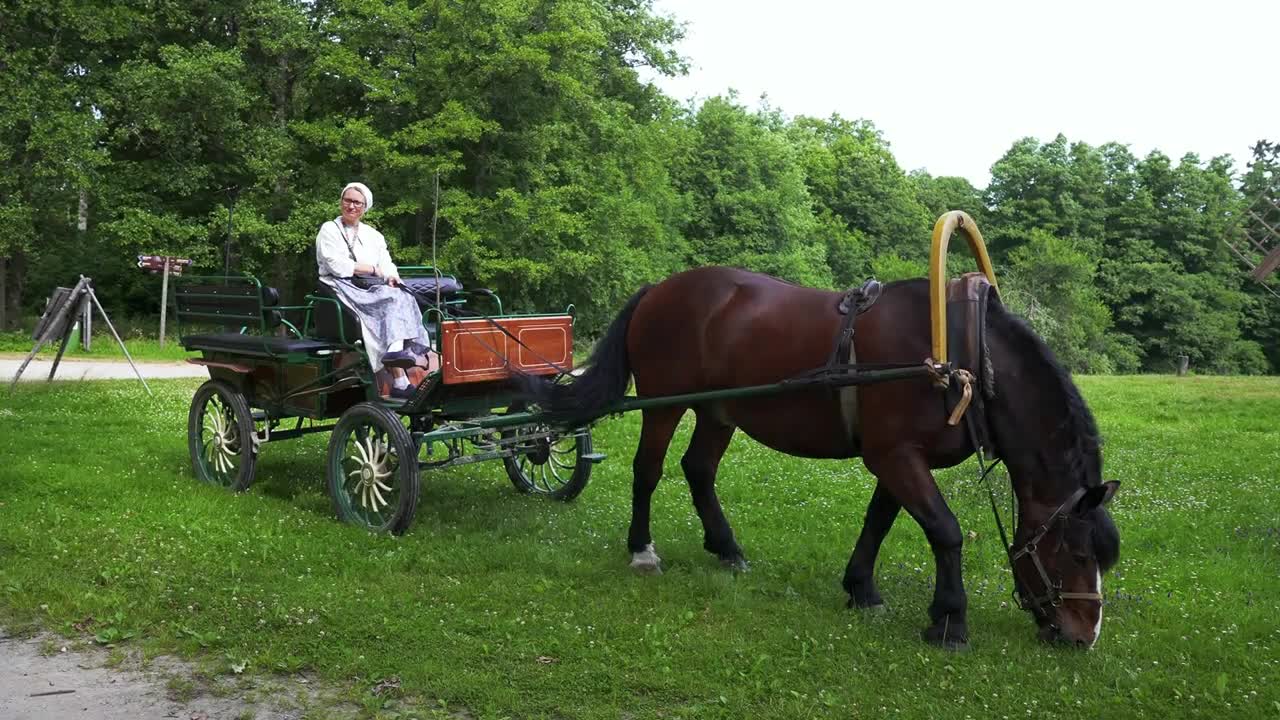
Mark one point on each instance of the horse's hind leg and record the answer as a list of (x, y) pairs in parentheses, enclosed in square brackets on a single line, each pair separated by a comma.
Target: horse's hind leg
[(655, 437), (905, 474), (700, 462), (859, 575)]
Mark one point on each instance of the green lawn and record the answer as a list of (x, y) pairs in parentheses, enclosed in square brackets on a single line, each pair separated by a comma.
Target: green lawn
[(507, 606), (140, 339)]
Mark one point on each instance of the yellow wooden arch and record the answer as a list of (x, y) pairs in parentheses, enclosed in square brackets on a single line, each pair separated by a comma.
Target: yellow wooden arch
[(942, 230)]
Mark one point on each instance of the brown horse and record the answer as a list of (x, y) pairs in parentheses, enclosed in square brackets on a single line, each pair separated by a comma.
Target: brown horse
[(715, 328)]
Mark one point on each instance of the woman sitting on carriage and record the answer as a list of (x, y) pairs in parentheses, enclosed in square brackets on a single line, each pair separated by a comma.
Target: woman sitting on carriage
[(348, 251)]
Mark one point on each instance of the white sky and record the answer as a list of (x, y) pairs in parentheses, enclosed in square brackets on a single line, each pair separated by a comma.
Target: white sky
[(952, 85)]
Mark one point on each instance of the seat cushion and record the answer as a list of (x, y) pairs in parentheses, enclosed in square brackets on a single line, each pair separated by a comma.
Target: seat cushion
[(261, 345)]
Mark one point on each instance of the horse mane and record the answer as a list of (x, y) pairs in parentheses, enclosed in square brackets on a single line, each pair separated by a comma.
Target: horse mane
[(1083, 456)]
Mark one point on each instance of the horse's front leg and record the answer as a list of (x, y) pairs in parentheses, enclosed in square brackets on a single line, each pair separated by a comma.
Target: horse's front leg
[(905, 474), (859, 574)]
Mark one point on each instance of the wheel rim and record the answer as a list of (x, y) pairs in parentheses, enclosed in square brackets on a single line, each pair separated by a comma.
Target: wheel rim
[(369, 466), (220, 442), (555, 472)]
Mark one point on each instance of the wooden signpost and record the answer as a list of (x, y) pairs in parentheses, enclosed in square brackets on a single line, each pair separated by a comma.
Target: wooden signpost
[(168, 265)]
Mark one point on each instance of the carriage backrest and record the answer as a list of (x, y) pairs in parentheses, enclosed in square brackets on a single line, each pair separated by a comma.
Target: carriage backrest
[(232, 302), (330, 319)]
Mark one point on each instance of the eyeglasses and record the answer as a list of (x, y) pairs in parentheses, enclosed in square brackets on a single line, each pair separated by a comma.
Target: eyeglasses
[(353, 203)]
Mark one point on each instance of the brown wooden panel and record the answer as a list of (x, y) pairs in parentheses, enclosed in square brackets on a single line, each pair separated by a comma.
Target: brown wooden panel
[(474, 350), (1268, 264)]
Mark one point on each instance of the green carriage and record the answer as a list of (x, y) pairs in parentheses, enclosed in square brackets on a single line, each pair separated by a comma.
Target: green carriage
[(278, 372)]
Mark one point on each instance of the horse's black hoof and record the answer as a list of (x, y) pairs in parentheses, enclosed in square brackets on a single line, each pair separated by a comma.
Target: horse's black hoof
[(866, 601), (873, 609), (736, 563), (948, 636)]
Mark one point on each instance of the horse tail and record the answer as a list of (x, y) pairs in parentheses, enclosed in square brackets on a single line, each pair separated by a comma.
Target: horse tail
[(603, 383)]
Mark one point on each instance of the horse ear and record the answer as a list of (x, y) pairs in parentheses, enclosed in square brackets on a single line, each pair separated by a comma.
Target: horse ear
[(1096, 496)]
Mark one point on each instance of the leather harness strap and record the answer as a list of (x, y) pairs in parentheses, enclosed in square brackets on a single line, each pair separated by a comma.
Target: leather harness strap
[(854, 302)]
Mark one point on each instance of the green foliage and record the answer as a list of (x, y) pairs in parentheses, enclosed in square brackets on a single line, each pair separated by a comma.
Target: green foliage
[(943, 194), (865, 205), (1050, 282), (748, 204)]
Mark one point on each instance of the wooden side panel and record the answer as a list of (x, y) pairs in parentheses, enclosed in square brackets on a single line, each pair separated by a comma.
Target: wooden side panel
[(1268, 265), (474, 350)]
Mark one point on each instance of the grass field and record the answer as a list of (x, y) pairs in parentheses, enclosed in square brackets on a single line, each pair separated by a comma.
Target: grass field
[(499, 605), (140, 338)]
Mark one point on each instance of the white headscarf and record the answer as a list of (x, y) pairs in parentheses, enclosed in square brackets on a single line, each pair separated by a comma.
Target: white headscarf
[(363, 189)]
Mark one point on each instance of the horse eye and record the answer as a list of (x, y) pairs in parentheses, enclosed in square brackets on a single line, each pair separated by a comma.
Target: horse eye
[(1080, 558)]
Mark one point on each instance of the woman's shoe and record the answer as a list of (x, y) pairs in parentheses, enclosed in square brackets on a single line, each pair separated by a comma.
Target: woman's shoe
[(403, 393), (399, 359)]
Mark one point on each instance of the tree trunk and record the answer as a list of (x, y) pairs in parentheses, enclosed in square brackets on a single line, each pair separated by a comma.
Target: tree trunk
[(420, 236), (4, 297), (17, 265), (82, 222)]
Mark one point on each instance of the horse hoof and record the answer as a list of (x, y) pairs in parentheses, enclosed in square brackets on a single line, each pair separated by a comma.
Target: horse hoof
[(874, 609), (736, 564), (646, 562), (953, 639)]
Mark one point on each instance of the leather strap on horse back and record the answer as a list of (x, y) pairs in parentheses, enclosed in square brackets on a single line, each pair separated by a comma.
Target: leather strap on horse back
[(967, 297), (853, 303)]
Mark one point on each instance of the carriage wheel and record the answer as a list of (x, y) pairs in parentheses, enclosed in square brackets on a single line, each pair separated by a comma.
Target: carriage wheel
[(551, 464), (373, 470), (220, 436)]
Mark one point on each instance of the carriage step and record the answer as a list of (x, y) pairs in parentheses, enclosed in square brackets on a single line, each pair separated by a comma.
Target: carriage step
[(594, 457)]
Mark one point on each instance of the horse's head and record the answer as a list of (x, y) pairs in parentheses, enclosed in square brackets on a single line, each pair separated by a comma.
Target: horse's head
[(1058, 565)]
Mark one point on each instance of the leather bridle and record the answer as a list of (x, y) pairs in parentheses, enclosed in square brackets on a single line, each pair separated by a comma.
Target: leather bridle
[(1042, 605)]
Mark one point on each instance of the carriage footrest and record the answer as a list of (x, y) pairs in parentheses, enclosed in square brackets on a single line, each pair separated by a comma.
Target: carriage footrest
[(594, 457)]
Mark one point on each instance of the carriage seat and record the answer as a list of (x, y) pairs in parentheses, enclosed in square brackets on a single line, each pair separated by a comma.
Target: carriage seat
[(257, 345), (331, 320), (238, 303)]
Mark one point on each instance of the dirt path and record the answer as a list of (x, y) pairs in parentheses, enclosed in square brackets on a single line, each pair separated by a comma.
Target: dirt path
[(43, 679), (96, 369)]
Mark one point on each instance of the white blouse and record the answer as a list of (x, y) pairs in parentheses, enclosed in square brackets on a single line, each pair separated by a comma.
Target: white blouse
[(336, 244)]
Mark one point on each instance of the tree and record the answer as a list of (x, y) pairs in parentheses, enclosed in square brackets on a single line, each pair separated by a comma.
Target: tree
[(866, 207), (748, 204), (49, 136), (1050, 281), (1260, 188)]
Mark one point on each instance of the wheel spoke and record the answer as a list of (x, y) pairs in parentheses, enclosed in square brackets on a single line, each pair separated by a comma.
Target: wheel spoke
[(546, 484), (364, 453)]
